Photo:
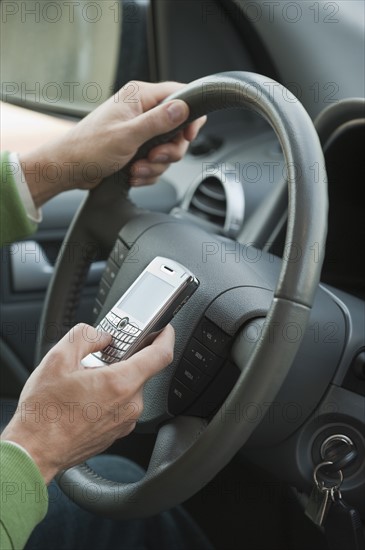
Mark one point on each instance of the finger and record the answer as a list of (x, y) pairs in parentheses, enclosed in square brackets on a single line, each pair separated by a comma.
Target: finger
[(169, 152), (157, 121), (172, 151), (151, 94), (147, 170), (151, 359), (82, 340), (160, 158), (192, 130), (141, 182)]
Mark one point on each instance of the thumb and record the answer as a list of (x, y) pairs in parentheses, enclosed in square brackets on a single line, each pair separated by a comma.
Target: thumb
[(82, 340), (159, 120), (151, 359)]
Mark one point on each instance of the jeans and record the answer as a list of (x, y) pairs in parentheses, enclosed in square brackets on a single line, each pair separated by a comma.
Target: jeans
[(68, 527)]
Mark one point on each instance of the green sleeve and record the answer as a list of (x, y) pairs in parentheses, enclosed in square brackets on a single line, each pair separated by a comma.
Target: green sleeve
[(24, 497), (14, 223)]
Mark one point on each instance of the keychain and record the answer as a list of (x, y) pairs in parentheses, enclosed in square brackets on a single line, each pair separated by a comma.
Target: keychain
[(320, 498), (343, 527), (326, 508)]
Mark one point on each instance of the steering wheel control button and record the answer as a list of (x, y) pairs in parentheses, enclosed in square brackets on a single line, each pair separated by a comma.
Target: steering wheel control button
[(191, 377), (110, 272), (119, 253), (213, 337), (180, 397), (214, 395), (97, 309), (202, 358), (103, 291)]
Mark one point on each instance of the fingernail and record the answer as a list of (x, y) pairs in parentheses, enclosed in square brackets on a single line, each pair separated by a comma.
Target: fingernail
[(177, 111), (136, 182), (141, 171), (161, 158), (144, 171)]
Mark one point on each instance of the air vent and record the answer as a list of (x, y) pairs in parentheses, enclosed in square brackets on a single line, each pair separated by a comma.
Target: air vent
[(209, 201), (215, 203)]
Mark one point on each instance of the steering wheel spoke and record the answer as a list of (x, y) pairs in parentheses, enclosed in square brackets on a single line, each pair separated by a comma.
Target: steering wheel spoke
[(174, 438)]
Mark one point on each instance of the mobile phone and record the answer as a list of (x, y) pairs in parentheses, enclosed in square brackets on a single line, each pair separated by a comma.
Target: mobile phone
[(144, 310)]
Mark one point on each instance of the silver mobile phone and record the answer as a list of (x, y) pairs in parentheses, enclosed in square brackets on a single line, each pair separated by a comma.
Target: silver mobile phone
[(144, 309)]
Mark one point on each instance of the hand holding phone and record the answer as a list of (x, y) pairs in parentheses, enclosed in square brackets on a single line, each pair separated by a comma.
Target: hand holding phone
[(144, 310)]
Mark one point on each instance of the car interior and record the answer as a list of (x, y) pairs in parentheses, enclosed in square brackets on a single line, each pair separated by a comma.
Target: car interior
[(260, 417)]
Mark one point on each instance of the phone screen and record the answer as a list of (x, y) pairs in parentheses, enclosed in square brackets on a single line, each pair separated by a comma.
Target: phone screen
[(146, 297)]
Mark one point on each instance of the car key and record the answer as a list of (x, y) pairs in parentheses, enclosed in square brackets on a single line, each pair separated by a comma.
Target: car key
[(343, 527), (318, 504), (320, 499)]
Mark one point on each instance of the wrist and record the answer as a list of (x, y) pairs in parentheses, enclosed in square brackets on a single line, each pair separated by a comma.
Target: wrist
[(29, 446), (45, 174)]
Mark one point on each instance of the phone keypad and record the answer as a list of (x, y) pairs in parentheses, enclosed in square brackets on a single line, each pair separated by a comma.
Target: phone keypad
[(124, 334)]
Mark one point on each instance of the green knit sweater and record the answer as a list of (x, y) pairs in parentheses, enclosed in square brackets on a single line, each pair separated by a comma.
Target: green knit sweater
[(14, 224), (24, 497)]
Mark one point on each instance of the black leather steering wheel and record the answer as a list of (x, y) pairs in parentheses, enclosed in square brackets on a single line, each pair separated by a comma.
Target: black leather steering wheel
[(189, 450)]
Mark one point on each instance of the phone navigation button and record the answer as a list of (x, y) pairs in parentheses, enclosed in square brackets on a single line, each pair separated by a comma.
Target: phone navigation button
[(123, 323)]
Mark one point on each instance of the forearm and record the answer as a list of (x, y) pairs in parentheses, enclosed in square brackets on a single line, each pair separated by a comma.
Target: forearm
[(48, 171)]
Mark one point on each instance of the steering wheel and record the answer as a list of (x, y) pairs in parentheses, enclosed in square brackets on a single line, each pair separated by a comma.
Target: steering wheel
[(190, 448)]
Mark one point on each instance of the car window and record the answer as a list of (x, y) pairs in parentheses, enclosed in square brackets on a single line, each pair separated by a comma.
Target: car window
[(59, 56)]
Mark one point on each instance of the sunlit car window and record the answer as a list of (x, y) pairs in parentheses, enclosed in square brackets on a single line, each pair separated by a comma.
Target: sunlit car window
[(33, 73)]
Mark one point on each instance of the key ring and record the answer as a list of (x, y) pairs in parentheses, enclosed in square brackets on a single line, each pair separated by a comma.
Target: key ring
[(321, 484), (335, 494)]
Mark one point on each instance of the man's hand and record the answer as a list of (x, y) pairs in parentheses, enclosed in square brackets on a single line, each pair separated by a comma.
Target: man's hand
[(68, 413), (108, 138)]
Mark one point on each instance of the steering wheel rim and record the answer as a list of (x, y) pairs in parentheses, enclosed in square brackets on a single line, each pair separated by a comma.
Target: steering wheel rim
[(177, 465)]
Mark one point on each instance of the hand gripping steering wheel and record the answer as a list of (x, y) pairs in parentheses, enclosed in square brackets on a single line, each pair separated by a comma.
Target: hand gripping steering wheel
[(190, 450)]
